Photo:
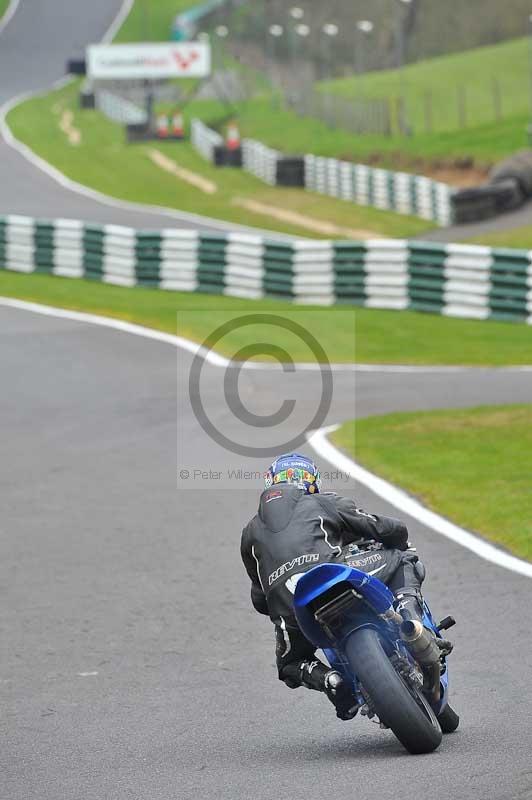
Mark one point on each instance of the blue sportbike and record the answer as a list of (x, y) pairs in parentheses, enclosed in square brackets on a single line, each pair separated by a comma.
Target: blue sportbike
[(395, 677)]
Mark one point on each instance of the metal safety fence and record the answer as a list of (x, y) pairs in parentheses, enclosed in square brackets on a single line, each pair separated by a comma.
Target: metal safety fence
[(455, 280)]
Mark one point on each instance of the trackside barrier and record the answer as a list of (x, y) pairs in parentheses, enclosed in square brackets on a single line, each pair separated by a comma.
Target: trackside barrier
[(119, 109), (456, 280), (186, 24), (271, 166), (358, 183), (260, 160), (205, 140), (368, 186)]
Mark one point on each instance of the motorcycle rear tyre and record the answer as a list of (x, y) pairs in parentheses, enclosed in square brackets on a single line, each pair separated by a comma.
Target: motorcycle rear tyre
[(400, 706)]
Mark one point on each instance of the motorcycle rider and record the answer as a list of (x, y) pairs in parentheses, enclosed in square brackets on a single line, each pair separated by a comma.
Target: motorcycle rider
[(297, 527)]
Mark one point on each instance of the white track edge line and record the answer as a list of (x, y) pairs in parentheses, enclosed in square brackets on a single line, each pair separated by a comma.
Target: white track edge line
[(79, 188), (116, 24), (113, 202), (9, 14), (212, 357), (317, 439), (401, 500), (420, 369), (119, 325)]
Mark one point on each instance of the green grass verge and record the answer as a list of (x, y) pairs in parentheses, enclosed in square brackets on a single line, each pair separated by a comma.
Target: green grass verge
[(151, 21), (473, 72), (364, 335), (468, 465), (262, 119), (515, 237), (3, 7), (104, 162)]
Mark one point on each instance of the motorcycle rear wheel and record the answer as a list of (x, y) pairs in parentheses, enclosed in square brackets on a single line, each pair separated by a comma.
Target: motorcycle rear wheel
[(399, 705)]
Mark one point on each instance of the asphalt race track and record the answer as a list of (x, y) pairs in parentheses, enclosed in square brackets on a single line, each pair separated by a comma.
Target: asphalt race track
[(132, 665), (109, 569), (504, 222)]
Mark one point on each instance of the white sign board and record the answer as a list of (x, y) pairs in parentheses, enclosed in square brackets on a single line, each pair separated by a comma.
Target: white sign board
[(148, 61)]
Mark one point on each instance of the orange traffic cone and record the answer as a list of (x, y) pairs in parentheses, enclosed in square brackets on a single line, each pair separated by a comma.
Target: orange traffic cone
[(232, 140), (162, 126), (178, 125)]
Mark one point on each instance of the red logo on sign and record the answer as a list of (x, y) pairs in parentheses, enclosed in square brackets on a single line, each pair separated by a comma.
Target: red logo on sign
[(184, 62)]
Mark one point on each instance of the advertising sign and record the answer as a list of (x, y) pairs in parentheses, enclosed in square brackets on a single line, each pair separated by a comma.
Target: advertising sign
[(148, 61)]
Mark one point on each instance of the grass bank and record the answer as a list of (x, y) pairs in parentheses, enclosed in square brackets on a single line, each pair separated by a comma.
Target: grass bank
[(457, 94), (495, 118), (364, 335), (151, 22), (515, 237), (462, 89), (262, 119), (103, 161), (3, 7), (468, 465)]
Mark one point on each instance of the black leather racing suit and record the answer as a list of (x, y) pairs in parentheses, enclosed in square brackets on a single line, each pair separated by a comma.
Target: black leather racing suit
[(291, 533)]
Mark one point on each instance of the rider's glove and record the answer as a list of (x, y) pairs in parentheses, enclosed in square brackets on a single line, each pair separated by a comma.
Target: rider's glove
[(395, 537)]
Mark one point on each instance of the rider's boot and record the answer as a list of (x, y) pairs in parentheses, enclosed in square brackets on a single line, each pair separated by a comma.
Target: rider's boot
[(340, 695), (315, 675)]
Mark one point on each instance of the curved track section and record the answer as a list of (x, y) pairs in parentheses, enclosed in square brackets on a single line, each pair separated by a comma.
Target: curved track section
[(134, 666), (34, 48), (504, 222)]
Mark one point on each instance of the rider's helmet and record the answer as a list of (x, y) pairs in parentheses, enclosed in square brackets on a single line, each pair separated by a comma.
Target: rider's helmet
[(294, 468)]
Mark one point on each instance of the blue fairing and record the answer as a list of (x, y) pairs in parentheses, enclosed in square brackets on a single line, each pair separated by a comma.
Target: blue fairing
[(377, 600), (323, 577)]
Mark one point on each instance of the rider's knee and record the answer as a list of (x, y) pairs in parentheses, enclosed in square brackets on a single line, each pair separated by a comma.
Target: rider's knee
[(420, 571)]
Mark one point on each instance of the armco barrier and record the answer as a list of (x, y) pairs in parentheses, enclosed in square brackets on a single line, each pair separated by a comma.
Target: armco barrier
[(456, 280), (358, 183)]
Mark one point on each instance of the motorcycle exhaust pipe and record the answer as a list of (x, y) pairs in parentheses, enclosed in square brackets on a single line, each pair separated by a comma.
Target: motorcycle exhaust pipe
[(423, 647), (420, 642)]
